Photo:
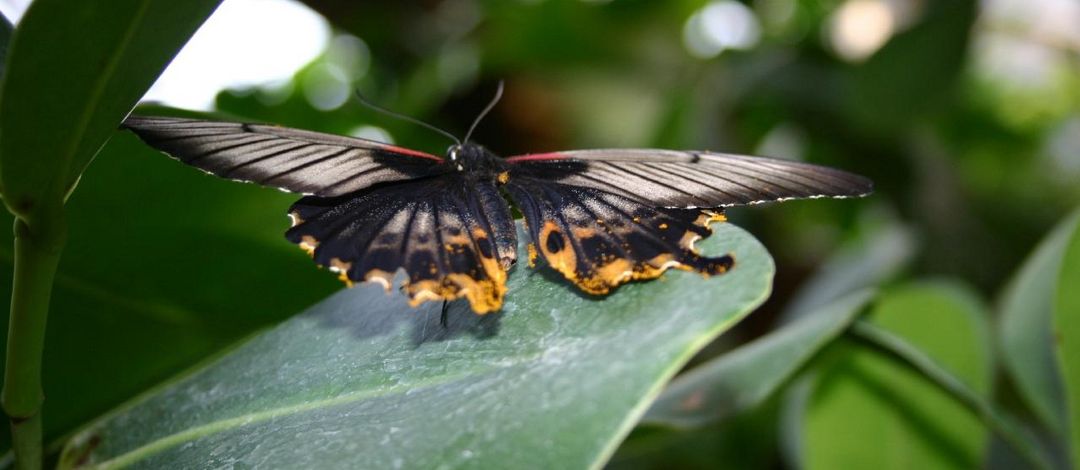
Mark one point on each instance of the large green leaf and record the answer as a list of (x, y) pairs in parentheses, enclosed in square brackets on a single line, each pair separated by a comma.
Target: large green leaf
[(164, 266), (75, 69), (744, 378), (1067, 334), (1025, 328), (914, 423), (360, 380)]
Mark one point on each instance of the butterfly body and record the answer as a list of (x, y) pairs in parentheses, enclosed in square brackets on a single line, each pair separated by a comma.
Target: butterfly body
[(601, 218)]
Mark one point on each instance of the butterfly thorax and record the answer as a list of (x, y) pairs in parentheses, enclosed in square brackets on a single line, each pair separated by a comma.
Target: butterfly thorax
[(474, 159)]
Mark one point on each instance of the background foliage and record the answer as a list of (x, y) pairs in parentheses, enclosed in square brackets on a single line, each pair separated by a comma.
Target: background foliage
[(975, 154)]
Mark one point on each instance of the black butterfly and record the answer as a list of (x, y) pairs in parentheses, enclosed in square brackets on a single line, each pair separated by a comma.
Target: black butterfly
[(599, 217)]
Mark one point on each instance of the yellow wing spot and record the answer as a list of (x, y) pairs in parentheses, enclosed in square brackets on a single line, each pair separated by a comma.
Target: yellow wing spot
[(485, 295), (308, 243), (294, 217), (663, 226), (531, 248), (386, 279), (688, 239), (584, 232), (708, 217), (557, 250), (342, 268), (503, 177), (456, 240), (427, 290), (616, 271)]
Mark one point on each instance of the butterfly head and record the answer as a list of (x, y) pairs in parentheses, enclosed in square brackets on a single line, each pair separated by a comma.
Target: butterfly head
[(471, 157)]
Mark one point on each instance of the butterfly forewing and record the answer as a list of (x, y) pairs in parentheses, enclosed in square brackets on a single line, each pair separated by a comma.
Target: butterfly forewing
[(690, 179), (291, 159), (599, 217), (453, 237)]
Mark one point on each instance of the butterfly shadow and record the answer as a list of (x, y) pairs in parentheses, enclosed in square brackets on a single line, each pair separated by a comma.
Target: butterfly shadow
[(367, 311)]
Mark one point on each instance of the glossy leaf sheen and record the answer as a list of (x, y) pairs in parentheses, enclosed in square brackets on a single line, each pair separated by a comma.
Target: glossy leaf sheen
[(744, 378), (1067, 335), (915, 424), (75, 70), (363, 380), (1025, 328)]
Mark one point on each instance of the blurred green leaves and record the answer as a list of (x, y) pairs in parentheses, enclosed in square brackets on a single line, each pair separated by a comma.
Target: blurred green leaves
[(1067, 336), (1040, 333), (363, 380), (1026, 329), (743, 379), (914, 423), (916, 70)]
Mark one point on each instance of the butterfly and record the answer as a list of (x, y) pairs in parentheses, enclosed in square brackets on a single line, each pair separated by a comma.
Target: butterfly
[(601, 218)]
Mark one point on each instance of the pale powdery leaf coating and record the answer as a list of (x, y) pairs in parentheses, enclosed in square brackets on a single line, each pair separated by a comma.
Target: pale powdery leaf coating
[(556, 378)]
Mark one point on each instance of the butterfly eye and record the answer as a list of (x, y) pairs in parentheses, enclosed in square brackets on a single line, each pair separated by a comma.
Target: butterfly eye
[(453, 153)]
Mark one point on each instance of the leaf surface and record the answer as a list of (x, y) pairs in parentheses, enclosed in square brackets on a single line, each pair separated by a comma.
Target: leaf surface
[(362, 380)]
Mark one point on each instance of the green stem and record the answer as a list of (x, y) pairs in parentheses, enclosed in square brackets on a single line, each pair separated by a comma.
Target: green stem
[(37, 253), (901, 351)]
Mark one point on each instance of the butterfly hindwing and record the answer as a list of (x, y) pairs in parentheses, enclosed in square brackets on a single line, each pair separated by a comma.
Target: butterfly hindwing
[(291, 159), (452, 235), (667, 178), (599, 240)]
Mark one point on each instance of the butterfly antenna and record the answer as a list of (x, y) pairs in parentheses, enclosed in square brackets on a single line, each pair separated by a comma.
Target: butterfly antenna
[(373, 106), (494, 101)]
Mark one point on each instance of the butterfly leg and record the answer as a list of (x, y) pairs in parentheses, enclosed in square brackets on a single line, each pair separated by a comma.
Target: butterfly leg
[(442, 316)]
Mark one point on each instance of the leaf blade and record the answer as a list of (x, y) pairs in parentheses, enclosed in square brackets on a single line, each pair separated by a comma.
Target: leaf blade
[(93, 77), (1025, 329), (1067, 334), (553, 361)]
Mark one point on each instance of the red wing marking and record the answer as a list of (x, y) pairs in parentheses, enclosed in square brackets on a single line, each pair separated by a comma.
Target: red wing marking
[(410, 152), (535, 157)]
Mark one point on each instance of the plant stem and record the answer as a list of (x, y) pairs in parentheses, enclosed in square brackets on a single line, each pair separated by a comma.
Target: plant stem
[(37, 253), (896, 348)]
